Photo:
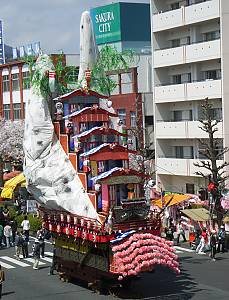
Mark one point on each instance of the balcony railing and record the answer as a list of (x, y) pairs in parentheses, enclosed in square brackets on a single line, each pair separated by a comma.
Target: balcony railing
[(188, 3), (187, 44)]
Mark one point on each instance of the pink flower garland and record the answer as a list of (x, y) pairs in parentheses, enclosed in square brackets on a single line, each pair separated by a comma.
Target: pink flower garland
[(140, 252)]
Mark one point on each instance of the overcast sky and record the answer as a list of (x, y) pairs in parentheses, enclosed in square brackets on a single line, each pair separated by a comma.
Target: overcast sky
[(55, 23)]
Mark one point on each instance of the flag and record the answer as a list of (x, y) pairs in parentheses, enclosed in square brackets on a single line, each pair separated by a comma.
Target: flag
[(52, 76)]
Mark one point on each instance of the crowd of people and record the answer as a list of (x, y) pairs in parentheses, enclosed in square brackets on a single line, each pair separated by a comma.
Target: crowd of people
[(204, 240)]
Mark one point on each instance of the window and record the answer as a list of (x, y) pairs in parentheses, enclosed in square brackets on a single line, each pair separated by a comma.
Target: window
[(149, 120), (216, 113), (175, 5), (175, 43), (186, 77), (15, 82), (26, 80), (6, 83), (132, 119), (211, 74), (17, 111), (122, 115), (184, 152), (6, 110), (72, 73), (212, 35), (177, 115), (176, 79), (190, 188), (182, 115)]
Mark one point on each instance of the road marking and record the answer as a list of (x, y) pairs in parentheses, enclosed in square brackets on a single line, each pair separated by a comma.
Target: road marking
[(15, 261), (49, 253), (33, 238), (30, 259), (183, 249), (6, 266), (47, 259)]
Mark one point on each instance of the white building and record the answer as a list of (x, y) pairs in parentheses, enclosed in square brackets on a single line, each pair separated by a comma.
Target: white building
[(190, 62)]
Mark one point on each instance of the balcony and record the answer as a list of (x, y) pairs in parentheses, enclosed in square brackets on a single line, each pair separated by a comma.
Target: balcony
[(186, 15), (187, 54), (196, 90), (184, 130), (176, 166)]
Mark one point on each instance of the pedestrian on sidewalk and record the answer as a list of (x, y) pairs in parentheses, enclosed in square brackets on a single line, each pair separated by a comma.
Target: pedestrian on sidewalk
[(213, 243), (25, 251), (1, 235), (41, 239), (13, 224), (221, 239), (18, 244), (180, 231), (36, 254), (54, 263), (8, 235), (26, 227), (203, 242), (2, 279)]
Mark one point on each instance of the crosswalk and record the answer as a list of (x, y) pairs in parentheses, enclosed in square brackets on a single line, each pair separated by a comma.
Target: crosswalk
[(180, 250), (8, 262)]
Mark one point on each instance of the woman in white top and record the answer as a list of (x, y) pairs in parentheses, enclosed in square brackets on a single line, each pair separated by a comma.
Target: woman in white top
[(26, 227), (8, 235)]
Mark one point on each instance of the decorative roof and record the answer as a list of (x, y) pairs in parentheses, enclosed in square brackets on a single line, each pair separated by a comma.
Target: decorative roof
[(91, 109), (80, 92), (99, 130), (105, 174), (113, 147), (94, 150), (116, 172)]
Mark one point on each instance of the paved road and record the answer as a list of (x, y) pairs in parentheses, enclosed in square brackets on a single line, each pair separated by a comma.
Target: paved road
[(200, 279)]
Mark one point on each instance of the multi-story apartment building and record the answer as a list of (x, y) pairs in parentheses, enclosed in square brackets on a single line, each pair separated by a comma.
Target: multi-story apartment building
[(190, 63)]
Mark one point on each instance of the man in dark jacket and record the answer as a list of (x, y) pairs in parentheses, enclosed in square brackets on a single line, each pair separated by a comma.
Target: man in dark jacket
[(36, 254)]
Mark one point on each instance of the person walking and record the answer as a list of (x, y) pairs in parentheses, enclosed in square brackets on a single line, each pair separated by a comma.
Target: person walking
[(180, 231), (2, 279), (41, 239), (13, 224), (36, 254), (18, 244), (54, 263), (213, 242), (8, 235), (221, 239), (203, 242), (26, 227), (25, 251), (1, 235)]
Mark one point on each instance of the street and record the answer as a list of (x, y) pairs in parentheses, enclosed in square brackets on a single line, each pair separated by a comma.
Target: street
[(200, 278)]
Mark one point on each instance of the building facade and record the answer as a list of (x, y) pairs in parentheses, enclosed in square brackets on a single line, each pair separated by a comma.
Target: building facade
[(190, 63), (123, 25)]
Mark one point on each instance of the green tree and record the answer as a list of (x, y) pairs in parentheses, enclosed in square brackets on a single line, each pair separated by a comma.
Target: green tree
[(109, 59)]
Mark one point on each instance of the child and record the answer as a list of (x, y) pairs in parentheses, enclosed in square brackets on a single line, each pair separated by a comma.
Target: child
[(36, 254)]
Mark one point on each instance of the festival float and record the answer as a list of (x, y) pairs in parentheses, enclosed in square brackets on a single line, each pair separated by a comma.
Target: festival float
[(77, 167)]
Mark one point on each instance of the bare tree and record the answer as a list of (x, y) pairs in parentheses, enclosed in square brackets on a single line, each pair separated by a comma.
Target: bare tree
[(213, 151)]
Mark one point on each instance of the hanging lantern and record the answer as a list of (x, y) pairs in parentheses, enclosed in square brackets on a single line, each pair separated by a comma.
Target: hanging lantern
[(75, 220), (97, 187), (88, 77), (109, 103), (69, 218), (67, 231), (58, 228), (88, 224), (82, 222), (62, 217), (50, 227)]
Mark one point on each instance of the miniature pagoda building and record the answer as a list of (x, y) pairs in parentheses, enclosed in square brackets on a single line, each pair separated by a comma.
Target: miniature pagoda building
[(98, 150)]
